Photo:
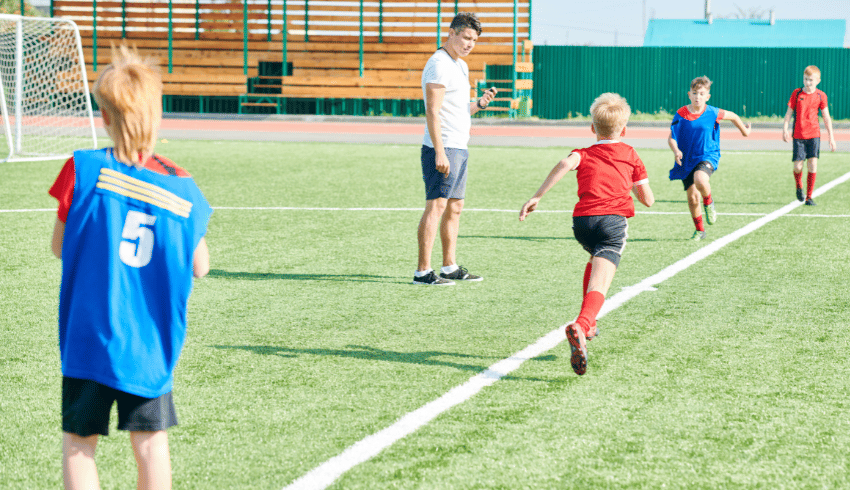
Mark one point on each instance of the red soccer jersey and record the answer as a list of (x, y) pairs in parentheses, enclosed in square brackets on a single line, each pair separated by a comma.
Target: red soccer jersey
[(606, 174), (63, 187), (806, 107)]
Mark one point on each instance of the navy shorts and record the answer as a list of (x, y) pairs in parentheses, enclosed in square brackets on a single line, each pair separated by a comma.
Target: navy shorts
[(86, 405), (805, 149), (437, 184), (703, 166), (602, 236)]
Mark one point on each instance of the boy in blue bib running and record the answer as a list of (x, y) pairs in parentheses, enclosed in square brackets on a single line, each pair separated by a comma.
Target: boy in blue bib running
[(695, 141)]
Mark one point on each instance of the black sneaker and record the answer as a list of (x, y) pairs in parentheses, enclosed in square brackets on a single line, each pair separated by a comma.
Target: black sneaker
[(800, 195), (810, 202), (461, 274), (431, 279)]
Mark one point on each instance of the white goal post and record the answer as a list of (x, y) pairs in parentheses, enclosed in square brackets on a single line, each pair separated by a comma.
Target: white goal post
[(44, 93)]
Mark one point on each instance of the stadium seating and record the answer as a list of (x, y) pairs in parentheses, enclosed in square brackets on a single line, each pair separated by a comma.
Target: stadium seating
[(202, 49)]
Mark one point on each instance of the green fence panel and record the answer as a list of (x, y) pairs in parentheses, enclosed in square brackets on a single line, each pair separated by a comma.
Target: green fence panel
[(748, 81)]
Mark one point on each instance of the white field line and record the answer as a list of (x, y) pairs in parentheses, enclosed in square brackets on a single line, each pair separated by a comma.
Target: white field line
[(326, 473), (467, 210)]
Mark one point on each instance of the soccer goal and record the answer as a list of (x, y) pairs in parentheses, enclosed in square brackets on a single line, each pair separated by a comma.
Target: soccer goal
[(44, 93)]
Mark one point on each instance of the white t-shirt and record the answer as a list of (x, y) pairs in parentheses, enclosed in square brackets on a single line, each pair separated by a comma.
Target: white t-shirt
[(455, 120)]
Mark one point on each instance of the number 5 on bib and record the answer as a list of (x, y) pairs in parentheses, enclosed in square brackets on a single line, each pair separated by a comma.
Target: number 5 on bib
[(135, 228)]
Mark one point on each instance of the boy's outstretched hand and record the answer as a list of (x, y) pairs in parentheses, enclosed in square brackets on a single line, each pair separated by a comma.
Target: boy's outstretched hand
[(528, 208), (746, 129)]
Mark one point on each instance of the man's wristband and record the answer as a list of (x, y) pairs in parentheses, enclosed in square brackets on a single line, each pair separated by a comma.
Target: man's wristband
[(480, 106)]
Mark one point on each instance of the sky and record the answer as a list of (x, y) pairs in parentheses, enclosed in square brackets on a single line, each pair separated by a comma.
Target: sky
[(622, 22)]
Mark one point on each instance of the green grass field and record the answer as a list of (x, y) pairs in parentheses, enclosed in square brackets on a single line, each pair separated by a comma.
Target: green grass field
[(307, 337)]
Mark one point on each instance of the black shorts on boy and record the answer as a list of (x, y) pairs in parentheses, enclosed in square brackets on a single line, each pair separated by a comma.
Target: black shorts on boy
[(602, 236), (805, 149), (704, 166), (86, 405), (439, 185)]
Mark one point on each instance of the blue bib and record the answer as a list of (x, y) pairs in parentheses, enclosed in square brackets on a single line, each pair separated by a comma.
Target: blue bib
[(699, 141), (127, 254)]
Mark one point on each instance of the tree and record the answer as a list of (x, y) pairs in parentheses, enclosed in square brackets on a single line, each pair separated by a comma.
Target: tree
[(14, 7)]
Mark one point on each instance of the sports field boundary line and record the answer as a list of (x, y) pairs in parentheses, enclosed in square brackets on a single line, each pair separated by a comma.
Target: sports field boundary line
[(365, 449)]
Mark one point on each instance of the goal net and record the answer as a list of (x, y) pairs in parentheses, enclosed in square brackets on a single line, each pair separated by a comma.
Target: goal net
[(44, 94)]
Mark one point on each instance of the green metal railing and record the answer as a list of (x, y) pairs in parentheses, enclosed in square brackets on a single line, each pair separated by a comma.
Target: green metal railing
[(284, 32), (361, 38)]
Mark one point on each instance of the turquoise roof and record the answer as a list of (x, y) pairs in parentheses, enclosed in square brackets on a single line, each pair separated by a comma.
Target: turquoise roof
[(746, 33)]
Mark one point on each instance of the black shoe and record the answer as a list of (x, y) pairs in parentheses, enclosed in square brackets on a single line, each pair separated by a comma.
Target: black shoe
[(810, 202), (800, 195), (578, 352), (431, 279), (461, 274)]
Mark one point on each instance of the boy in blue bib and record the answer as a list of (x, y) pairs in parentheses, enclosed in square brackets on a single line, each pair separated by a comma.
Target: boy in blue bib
[(130, 232), (695, 141)]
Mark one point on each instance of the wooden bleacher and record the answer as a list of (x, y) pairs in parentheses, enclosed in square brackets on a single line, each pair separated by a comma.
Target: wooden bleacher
[(209, 56)]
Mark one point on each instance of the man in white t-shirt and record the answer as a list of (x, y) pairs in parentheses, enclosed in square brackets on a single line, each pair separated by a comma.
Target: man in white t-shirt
[(448, 113)]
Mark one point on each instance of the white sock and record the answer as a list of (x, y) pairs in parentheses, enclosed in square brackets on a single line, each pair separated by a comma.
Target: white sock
[(448, 269), (421, 273)]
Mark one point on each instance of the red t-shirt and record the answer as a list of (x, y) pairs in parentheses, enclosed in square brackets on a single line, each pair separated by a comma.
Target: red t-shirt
[(63, 187), (806, 107), (606, 174)]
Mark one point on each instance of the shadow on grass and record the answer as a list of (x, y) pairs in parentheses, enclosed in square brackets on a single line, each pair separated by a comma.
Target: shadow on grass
[(425, 358), (525, 238), (722, 203), (543, 238), (266, 276)]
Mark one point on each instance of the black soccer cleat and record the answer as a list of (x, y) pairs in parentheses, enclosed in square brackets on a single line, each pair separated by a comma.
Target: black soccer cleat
[(810, 202), (578, 348), (800, 195), (431, 279), (461, 274)]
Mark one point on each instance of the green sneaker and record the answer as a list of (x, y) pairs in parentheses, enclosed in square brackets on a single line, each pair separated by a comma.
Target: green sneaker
[(698, 235), (710, 213)]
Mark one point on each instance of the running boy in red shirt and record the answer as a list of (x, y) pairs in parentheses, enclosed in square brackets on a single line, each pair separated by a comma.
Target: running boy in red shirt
[(803, 107), (695, 141), (606, 173)]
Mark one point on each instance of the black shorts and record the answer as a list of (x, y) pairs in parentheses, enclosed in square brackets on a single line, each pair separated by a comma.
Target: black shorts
[(602, 236), (437, 184), (86, 405), (703, 166), (805, 149)]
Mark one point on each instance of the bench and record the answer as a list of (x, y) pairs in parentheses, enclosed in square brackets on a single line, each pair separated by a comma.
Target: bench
[(202, 49)]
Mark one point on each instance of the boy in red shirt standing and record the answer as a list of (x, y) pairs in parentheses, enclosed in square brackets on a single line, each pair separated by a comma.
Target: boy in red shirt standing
[(803, 106), (606, 173)]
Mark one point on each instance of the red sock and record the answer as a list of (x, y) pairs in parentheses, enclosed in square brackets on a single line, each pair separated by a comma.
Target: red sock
[(706, 200), (810, 184), (590, 307), (698, 223), (798, 178), (586, 279)]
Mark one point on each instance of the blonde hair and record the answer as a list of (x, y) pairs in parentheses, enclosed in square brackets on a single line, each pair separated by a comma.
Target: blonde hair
[(129, 92), (700, 82), (812, 70), (610, 113)]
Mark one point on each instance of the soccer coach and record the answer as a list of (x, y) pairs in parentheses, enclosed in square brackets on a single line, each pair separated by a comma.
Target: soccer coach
[(448, 114)]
